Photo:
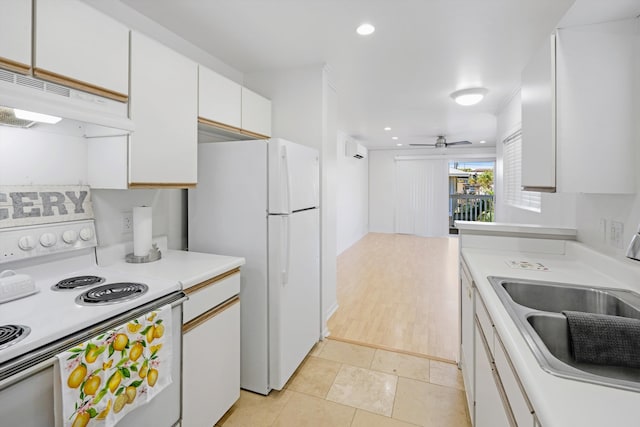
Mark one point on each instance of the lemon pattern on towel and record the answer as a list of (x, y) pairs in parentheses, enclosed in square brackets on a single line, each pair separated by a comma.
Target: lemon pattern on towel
[(109, 375)]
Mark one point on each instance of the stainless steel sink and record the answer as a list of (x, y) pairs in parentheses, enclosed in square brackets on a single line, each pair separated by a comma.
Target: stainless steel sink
[(536, 306)]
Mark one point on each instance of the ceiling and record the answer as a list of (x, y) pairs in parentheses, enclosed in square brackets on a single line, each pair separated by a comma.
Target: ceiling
[(401, 76)]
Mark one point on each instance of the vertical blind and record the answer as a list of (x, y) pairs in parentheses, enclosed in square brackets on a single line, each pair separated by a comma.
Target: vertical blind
[(422, 201), (512, 175)]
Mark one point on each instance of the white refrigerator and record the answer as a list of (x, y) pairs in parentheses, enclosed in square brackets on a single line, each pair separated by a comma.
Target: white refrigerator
[(260, 200)]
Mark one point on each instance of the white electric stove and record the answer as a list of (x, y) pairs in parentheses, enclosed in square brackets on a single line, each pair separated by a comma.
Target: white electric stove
[(52, 313), (56, 296)]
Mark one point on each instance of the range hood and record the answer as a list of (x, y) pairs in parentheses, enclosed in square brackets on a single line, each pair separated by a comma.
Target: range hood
[(106, 116)]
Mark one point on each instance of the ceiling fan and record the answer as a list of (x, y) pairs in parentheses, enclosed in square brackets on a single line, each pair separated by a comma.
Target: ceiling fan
[(441, 142)]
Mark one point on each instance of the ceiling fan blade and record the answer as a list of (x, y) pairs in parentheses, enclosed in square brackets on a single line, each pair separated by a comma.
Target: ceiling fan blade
[(457, 143), (423, 145)]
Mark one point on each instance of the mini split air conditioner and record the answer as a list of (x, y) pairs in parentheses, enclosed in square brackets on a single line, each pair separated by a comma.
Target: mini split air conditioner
[(356, 150)]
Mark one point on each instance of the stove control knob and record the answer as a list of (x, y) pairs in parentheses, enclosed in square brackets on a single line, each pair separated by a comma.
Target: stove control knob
[(70, 236), (26, 243), (86, 233), (48, 239)]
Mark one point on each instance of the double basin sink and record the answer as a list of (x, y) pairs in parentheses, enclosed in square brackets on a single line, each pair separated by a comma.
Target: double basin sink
[(536, 308)]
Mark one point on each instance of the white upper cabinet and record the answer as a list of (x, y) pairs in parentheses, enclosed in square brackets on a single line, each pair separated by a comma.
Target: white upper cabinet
[(597, 82), (78, 46), (15, 26), (219, 99), (229, 108), (578, 131), (539, 120), (256, 114), (164, 106)]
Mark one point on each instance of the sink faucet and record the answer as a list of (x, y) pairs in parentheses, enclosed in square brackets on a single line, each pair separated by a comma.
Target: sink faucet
[(633, 251)]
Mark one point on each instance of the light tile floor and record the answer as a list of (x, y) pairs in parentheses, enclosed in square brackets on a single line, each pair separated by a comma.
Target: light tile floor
[(341, 384)]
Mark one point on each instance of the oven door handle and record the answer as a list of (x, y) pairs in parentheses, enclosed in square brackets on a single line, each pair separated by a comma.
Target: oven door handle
[(21, 370)]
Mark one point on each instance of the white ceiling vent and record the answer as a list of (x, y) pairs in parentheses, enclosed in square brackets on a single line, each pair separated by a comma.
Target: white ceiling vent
[(353, 149)]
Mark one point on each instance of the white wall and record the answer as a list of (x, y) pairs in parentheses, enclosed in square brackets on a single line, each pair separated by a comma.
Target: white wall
[(304, 110), (382, 179), (352, 196), (168, 207), (296, 100), (558, 209)]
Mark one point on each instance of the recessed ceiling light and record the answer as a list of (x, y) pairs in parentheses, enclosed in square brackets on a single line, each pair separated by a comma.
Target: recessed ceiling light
[(387, 128), (365, 29), (483, 141), (399, 145), (394, 137), (469, 96)]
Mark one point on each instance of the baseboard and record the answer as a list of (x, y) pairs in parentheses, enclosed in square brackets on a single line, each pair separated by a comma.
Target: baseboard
[(332, 310)]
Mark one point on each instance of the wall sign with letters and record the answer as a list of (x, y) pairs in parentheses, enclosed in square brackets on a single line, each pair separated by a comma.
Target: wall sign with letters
[(30, 205)]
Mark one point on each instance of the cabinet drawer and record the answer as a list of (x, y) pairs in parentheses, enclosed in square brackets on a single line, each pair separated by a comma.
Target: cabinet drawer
[(485, 322), (520, 405), (208, 294)]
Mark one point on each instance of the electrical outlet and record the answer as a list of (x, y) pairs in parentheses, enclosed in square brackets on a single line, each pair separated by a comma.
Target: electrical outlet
[(615, 234), (127, 222)]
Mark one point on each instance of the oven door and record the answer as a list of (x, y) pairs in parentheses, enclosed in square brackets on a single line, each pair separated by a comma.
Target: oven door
[(26, 398)]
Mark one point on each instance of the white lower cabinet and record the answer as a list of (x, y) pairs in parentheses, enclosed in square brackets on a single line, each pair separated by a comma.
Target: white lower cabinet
[(466, 342), (211, 366), (490, 410), (211, 350), (496, 396)]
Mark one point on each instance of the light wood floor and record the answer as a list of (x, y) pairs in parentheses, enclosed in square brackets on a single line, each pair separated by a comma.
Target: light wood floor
[(399, 292)]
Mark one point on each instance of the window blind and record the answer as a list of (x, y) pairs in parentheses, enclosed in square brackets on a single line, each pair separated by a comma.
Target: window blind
[(512, 176)]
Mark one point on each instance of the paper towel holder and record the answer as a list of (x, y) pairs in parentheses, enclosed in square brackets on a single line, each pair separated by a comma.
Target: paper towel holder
[(153, 255)]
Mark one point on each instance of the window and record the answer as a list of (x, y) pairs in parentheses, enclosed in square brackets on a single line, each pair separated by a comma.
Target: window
[(512, 164)]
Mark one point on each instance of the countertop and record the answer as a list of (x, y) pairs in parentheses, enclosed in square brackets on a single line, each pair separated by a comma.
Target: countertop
[(187, 268), (557, 401), (499, 228)]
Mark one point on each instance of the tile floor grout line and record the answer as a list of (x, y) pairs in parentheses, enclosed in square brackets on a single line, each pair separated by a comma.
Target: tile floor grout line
[(392, 350)]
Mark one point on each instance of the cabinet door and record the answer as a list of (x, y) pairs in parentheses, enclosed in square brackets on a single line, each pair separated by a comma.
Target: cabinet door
[(15, 25), (164, 107), (219, 99), (256, 114), (78, 46), (467, 335), (539, 120), (211, 368), (596, 77), (490, 411)]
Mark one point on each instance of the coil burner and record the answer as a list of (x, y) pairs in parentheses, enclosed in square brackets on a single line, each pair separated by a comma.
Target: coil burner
[(11, 334), (111, 293), (77, 282)]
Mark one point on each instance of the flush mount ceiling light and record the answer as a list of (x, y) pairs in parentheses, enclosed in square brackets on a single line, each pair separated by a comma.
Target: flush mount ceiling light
[(394, 138), (365, 29), (36, 117), (483, 142), (399, 145), (387, 128), (469, 96)]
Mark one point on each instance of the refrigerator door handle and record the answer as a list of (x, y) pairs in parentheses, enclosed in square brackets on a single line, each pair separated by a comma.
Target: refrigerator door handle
[(286, 177), (285, 249)]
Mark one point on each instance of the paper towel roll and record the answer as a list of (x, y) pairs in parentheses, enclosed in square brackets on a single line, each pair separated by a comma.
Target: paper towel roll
[(141, 230)]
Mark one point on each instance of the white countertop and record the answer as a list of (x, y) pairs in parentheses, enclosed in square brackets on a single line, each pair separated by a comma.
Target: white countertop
[(187, 268), (557, 401), (518, 229)]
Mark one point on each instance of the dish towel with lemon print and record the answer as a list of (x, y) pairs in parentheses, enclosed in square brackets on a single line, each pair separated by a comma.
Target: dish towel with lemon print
[(101, 380)]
